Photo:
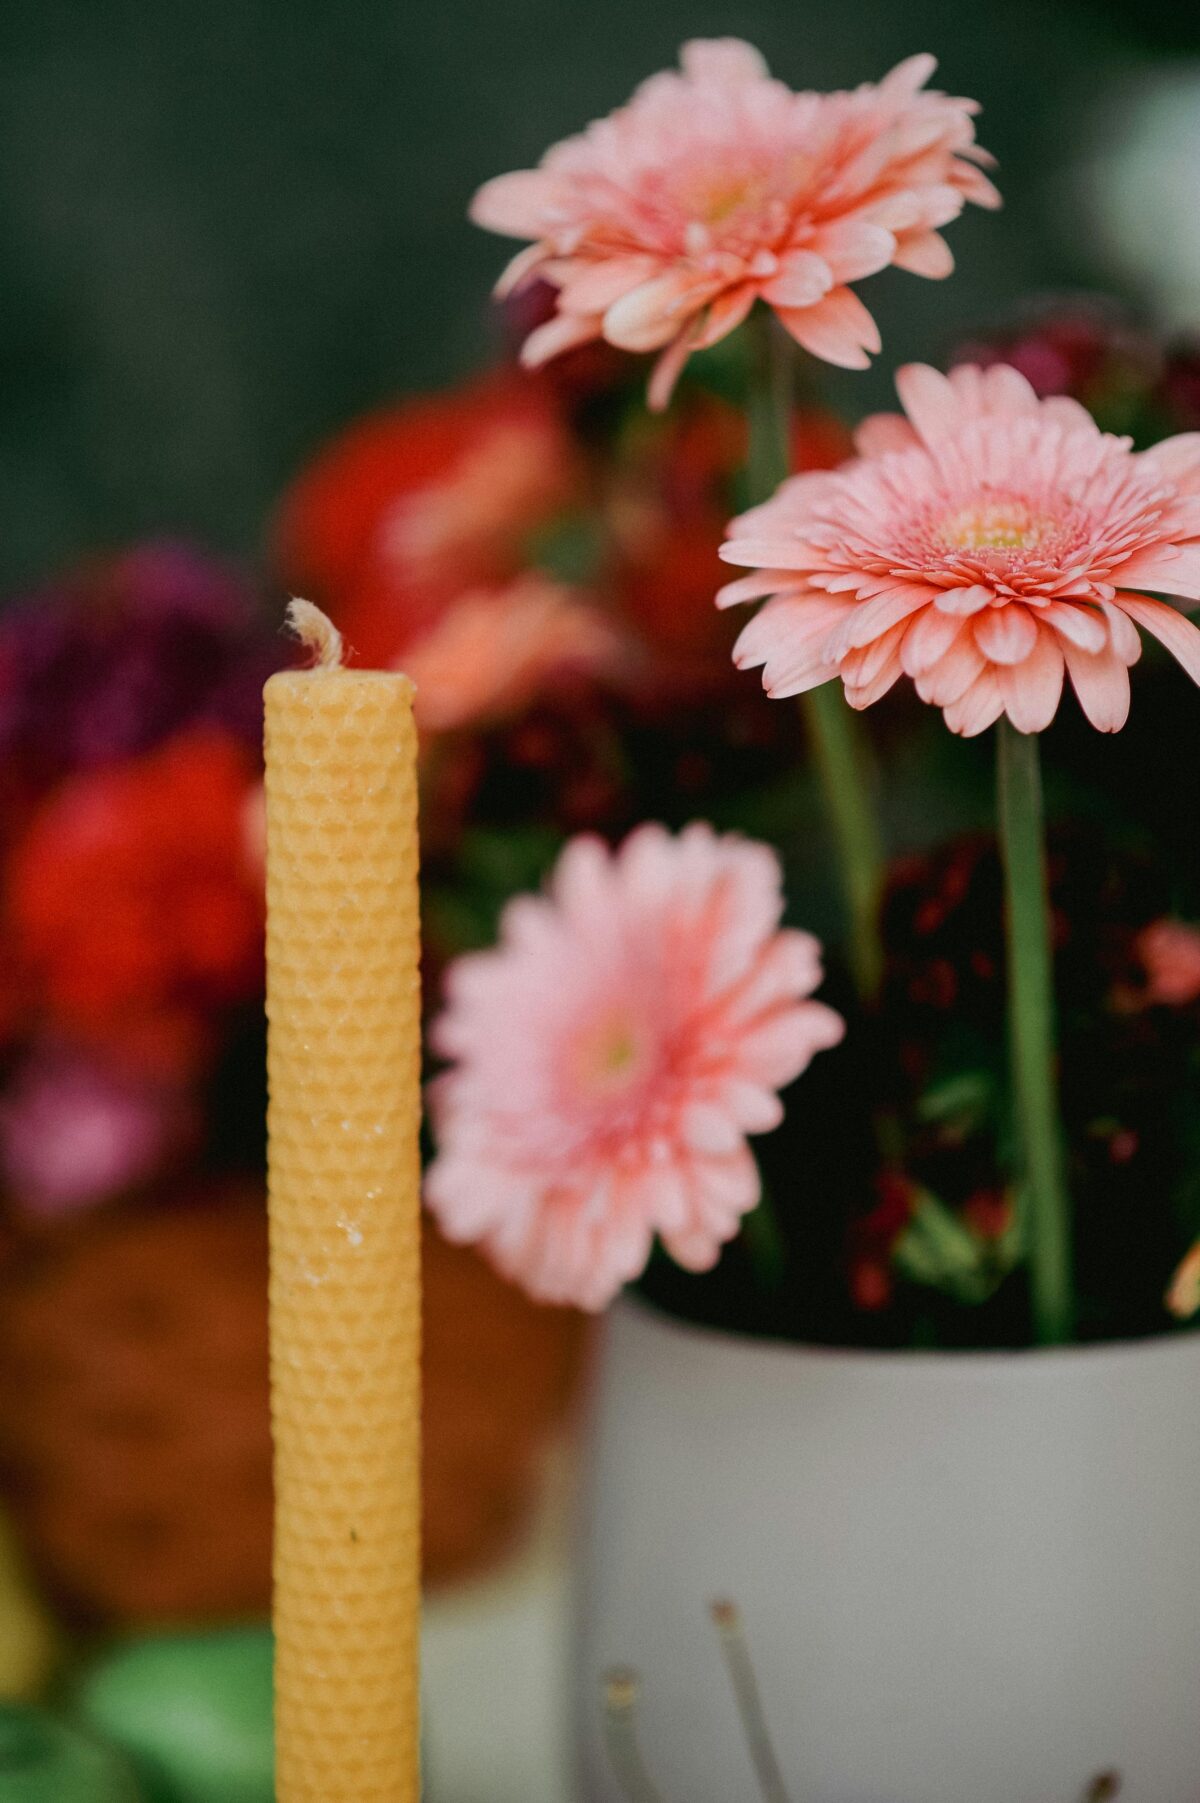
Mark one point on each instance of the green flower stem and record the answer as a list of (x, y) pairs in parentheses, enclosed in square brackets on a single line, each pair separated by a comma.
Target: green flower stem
[(1031, 1032), (837, 741), (769, 404), (841, 763)]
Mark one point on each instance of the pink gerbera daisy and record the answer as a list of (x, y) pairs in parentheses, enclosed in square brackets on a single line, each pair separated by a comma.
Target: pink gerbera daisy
[(981, 546), (661, 225), (611, 1055)]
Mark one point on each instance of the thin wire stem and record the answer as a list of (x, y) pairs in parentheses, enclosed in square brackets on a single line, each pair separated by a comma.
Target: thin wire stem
[(728, 1621), (1031, 1032), (620, 1737), (838, 744)]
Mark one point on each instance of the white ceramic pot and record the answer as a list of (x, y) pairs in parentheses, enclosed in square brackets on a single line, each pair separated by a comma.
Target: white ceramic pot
[(965, 1578)]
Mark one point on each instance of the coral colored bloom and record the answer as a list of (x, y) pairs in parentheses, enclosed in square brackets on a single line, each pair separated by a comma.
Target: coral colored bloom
[(661, 225), (1169, 951), (611, 1055), (491, 654), (409, 508), (981, 546)]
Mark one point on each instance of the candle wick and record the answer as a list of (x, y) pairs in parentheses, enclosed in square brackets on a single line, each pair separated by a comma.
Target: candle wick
[(317, 633)]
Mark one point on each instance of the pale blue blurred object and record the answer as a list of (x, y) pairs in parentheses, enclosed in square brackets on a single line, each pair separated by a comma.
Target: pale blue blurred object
[(1137, 180)]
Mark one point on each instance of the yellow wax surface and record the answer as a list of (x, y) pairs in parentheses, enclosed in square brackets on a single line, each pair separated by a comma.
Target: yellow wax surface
[(344, 1069)]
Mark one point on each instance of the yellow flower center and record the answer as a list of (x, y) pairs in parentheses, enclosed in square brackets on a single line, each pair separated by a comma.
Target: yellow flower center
[(619, 1053), (722, 202), (608, 1054), (993, 526), (752, 205)]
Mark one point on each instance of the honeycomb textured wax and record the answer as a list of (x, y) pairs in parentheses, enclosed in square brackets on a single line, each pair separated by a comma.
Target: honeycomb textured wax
[(344, 1071)]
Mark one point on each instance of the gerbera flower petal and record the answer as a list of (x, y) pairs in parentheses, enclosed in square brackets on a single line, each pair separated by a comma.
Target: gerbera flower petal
[(880, 433), (724, 61), (562, 333), (879, 615), (1175, 459), (930, 401), (1101, 681), (962, 602), (909, 75), (667, 370), (708, 1128), (927, 640), (975, 185), (1067, 411), (1076, 625), (837, 329), (954, 672), (788, 636), (925, 253), (1005, 635), (861, 666), (752, 588), (519, 269), (1175, 569), (508, 202), (1168, 626), (594, 287), (610, 1056), (723, 313), (646, 317), (786, 1042), (1031, 690), (1123, 634), (804, 278), (978, 707), (854, 248), (873, 686), (755, 1108)]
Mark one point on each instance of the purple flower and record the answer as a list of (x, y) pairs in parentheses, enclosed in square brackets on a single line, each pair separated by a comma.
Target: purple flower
[(120, 654)]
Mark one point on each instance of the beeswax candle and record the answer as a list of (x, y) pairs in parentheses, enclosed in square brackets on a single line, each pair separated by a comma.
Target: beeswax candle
[(344, 1072)]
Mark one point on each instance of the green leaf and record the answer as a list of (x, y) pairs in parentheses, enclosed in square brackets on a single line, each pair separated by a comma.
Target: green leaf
[(939, 1251), (967, 1098)]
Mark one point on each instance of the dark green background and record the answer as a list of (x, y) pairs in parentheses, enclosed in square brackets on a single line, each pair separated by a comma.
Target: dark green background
[(229, 226)]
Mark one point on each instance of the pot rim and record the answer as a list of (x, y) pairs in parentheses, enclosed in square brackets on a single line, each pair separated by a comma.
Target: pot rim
[(921, 1362)]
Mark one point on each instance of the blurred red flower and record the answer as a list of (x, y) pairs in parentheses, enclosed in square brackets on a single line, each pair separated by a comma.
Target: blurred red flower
[(135, 904), (408, 507), (872, 1240), (1179, 388), (1169, 951), (671, 494), (1083, 345)]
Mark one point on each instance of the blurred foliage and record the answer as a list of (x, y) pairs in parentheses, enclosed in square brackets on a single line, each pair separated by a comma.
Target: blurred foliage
[(191, 1712), (45, 1760)]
